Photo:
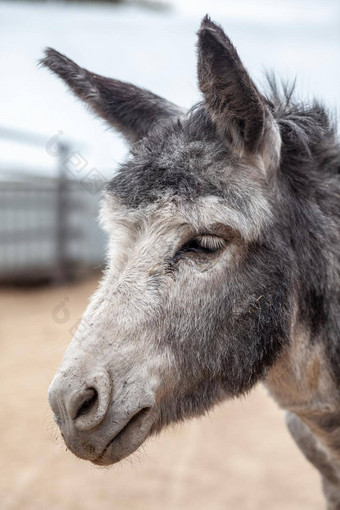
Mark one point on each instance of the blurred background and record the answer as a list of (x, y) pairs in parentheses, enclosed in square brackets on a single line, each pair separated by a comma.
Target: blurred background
[(54, 161)]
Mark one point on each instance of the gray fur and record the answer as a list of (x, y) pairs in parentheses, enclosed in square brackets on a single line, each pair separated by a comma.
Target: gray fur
[(131, 110), (223, 265)]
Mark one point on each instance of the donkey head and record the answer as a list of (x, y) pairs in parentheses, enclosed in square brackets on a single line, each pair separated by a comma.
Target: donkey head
[(195, 304)]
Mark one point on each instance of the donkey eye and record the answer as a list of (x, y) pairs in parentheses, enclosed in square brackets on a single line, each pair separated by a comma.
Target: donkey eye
[(205, 244)]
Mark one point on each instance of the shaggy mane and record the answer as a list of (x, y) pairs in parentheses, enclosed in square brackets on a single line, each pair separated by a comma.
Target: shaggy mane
[(309, 128)]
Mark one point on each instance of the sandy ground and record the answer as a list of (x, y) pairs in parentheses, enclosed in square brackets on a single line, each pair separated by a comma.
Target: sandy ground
[(240, 457)]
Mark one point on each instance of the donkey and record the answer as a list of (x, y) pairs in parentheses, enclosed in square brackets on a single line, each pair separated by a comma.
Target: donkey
[(223, 264)]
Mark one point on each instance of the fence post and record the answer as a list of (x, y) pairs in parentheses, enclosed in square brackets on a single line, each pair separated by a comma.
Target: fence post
[(62, 269)]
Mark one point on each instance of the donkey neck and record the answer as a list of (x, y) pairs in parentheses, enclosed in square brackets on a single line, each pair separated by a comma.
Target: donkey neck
[(302, 382)]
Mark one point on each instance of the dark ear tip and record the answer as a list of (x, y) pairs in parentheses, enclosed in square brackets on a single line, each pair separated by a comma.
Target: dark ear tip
[(205, 20), (206, 23), (210, 31), (52, 59), (43, 62), (212, 38)]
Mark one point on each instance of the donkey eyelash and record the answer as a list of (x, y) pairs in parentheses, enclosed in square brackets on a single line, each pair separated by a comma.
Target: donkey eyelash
[(203, 244)]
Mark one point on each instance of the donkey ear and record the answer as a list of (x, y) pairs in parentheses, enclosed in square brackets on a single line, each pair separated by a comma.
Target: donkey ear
[(235, 105), (131, 110)]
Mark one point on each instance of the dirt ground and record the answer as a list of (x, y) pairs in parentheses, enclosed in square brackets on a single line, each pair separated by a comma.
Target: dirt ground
[(240, 457)]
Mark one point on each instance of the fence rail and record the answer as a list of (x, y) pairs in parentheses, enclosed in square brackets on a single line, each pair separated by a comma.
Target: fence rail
[(48, 226)]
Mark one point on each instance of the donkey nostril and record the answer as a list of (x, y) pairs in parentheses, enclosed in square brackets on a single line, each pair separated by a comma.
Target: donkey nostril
[(90, 399)]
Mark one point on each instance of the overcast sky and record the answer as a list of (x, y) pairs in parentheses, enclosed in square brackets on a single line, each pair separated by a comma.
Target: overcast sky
[(153, 49)]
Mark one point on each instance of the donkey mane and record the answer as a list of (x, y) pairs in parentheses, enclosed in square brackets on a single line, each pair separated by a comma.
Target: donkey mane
[(309, 127), (310, 192)]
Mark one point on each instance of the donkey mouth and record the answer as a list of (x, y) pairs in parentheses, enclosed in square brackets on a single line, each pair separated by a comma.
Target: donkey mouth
[(127, 440)]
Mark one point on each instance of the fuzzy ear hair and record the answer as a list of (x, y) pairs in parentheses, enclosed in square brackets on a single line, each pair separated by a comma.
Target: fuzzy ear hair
[(131, 110), (235, 105)]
